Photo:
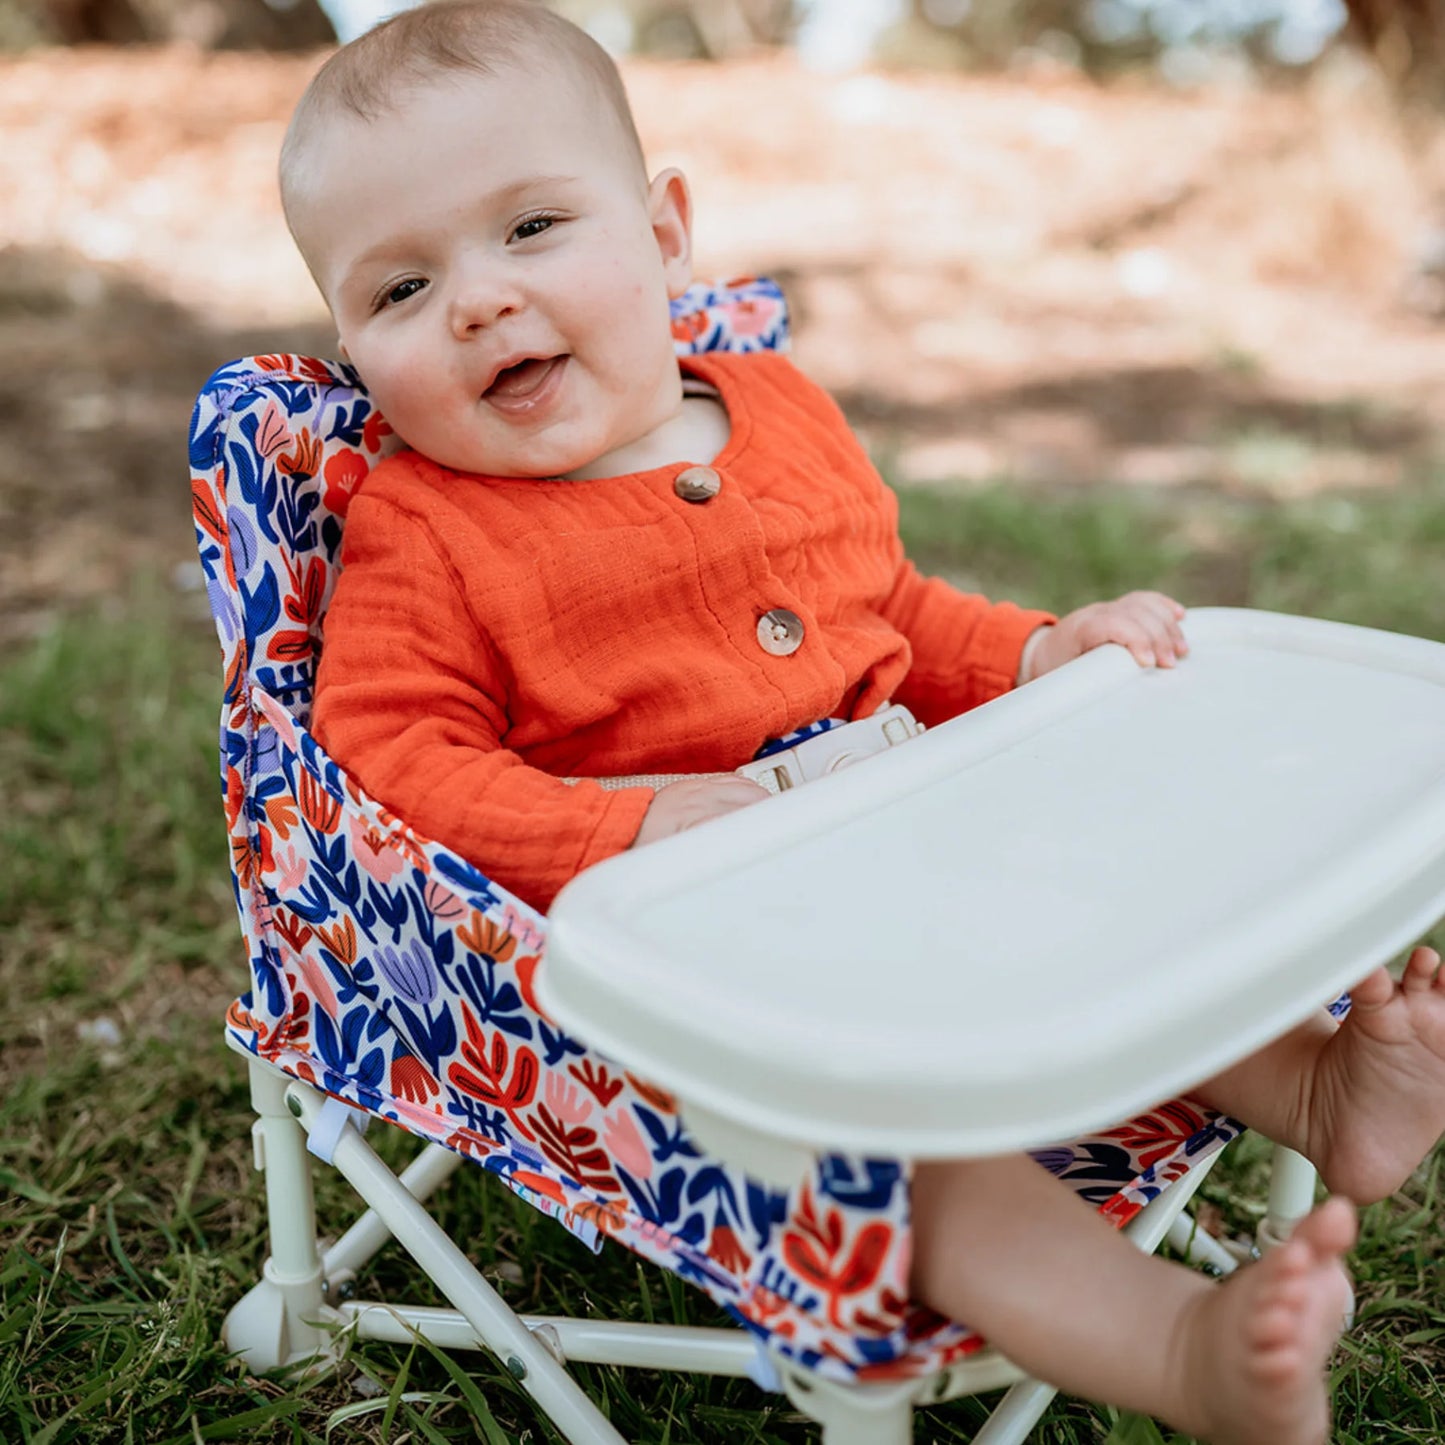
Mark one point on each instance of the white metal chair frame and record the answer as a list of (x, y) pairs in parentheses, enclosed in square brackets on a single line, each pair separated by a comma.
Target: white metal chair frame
[(303, 1310)]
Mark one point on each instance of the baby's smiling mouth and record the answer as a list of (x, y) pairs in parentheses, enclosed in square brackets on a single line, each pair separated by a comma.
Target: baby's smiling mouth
[(520, 386)]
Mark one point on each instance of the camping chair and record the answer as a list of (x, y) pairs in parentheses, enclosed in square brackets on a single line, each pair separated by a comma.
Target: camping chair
[(390, 979)]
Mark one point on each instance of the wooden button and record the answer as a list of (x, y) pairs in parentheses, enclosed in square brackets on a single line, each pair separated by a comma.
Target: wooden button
[(697, 484), (780, 632)]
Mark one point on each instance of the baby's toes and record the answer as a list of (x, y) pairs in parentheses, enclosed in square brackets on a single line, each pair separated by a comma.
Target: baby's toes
[(1422, 971)]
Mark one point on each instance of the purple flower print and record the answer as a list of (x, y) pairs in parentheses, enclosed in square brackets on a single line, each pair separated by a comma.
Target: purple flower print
[(411, 972)]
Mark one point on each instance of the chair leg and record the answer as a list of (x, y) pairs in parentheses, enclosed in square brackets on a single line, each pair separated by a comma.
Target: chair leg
[(851, 1414), (1012, 1420), (1291, 1197), (527, 1357), (283, 1320)]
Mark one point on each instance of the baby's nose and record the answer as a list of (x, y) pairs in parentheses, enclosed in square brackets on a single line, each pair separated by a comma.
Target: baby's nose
[(480, 304)]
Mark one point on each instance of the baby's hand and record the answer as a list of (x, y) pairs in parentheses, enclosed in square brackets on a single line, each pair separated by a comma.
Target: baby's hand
[(1147, 623), (692, 801)]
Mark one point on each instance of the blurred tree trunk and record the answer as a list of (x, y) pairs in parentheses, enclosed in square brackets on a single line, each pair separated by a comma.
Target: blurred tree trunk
[(1407, 39), (231, 24)]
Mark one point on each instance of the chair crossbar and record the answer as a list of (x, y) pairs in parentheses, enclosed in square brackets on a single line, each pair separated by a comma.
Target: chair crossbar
[(426, 1173), (693, 1349)]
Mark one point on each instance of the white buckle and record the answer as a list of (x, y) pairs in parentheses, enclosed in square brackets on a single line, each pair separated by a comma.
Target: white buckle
[(833, 750)]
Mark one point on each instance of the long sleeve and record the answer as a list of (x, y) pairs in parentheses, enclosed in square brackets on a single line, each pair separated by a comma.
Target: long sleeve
[(966, 649), (413, 700)]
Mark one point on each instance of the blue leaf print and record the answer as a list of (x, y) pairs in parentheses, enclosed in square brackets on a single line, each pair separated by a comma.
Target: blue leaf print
[(205, 439), (328, 1044), (370, 1072), (297, 505), (866, 1183), (390, 910), (556, 1045), (475, 884), (765, 1209), (347, 423), (266, 972), (668, 1137), (262, 607)]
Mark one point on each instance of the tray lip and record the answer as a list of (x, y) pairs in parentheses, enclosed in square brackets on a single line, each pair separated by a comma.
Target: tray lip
[(591, 916)]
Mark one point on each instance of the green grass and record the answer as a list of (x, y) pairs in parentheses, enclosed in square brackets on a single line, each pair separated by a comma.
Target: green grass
[(129, 1216)]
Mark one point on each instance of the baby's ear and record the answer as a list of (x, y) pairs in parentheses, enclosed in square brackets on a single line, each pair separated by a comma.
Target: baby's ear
[(669, 206)]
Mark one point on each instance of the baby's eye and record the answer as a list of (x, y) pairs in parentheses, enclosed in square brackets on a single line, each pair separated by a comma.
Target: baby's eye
[(532, 226), (402, 291)]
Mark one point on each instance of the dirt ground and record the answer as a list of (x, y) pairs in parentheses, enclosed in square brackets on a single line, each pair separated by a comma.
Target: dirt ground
[(1026, 276)]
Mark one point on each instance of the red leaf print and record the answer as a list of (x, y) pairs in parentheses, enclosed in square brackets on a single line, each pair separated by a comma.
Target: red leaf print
[(865, 1259), (411, 1079), (303, 459), (204, 510), (487, 1083), (291, 928), (376, 427), (289, 646), (318, 807), (303, 602), (574, 1150), (344, 472), (597, 1081), (805, 1260), (725, 1248)]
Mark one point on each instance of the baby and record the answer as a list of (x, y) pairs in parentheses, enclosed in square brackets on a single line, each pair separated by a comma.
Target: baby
[(595, 562)]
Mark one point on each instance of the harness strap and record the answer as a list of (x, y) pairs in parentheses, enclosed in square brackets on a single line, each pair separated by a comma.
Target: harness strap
[(804, 761)]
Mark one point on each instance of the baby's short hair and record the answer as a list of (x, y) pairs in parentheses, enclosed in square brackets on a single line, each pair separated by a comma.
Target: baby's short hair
[(368, 76)]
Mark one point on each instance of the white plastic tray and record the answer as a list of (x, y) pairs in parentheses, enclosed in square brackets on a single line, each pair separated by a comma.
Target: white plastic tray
[(1036, 919)]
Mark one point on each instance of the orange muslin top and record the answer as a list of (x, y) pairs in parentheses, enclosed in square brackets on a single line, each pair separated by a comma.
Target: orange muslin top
[(489, 636)]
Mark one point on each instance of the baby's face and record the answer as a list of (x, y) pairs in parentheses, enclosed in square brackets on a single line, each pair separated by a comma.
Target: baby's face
[(499, 272)]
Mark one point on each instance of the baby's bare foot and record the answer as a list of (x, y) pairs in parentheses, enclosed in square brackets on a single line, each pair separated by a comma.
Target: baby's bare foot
[(1256, 1348), (1377, 1098)]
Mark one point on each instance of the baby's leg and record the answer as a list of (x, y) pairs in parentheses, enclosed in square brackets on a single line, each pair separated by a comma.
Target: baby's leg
[(1363, 1100), (1001, 1245)]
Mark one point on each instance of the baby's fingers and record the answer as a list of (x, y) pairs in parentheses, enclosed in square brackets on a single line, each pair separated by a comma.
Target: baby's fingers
[(1143, 641), (1160, 617)]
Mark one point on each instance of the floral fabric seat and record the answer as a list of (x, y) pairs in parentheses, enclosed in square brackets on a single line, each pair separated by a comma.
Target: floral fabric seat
[(395, 976)]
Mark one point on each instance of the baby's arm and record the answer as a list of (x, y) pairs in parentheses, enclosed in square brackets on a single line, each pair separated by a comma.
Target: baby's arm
[(413, 702), (1147, 623)]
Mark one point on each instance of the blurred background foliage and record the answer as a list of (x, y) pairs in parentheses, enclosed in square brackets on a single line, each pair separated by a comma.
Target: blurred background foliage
[(1186, 41)]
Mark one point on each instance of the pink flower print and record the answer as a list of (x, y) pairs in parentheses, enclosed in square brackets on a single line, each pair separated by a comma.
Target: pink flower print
[(442, 903), (317, 982), (649, 1233), (292, 868), (278, 717), (750, 318), (271, 435), (371, 851), (522, 927), (625, 1144), (422, 1118), (569, 1105)]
